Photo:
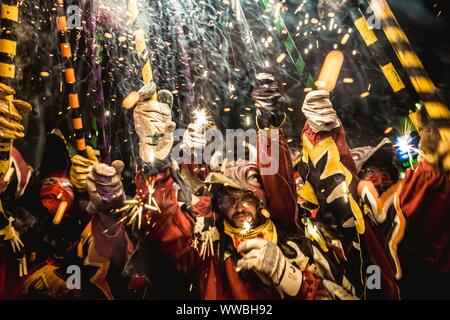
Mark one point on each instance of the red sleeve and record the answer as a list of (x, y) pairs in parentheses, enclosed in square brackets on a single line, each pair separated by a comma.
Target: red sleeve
[(310, 288), (425, 202), (111, 241), (280, 186), (171, 230)]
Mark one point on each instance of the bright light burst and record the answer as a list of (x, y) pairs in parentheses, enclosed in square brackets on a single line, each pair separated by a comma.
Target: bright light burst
[(405, 143), (247, 226), (201, 117)]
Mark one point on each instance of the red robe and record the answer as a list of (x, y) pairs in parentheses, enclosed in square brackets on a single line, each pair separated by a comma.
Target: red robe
[(424, 249), (172, 232), (374, 239)]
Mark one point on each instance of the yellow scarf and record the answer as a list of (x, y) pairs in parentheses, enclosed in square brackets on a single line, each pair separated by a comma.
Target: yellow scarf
[(266, 231)]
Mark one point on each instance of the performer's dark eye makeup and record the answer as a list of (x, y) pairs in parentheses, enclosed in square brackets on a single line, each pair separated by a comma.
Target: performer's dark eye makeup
[(254, 179)]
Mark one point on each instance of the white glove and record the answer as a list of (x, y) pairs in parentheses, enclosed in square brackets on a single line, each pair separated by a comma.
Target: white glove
[(147, 91), (154, 126), (194, 137), (265, 257), (319, 111)]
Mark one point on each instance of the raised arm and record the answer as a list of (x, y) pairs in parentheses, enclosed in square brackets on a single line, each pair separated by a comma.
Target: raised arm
[(274, 160)]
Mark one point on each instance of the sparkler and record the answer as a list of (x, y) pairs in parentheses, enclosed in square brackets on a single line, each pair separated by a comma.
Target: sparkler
[(247, 226), (201, 117), (138, 206)]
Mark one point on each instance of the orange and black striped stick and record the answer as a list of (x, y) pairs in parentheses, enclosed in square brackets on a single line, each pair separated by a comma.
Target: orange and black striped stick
[(435, 107), (70, 79), (8, 46)]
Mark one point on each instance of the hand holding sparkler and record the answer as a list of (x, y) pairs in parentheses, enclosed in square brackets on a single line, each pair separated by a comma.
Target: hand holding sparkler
[(267, 258), (194, 136)]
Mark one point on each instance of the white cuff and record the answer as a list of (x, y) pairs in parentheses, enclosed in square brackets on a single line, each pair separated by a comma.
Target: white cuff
[(292, 280)]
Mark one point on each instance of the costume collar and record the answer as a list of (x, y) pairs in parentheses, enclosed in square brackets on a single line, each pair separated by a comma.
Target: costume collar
[(266, 231)]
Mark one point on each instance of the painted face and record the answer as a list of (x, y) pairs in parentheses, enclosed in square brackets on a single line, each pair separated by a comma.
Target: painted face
[(240, 208), (154, 127)]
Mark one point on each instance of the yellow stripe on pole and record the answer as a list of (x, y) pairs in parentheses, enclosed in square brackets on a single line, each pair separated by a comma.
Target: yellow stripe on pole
[(395, 34), (10, 12), (383, 12), (393, 77), (8, 46), (437, 110), (368, 35), (409, 59), (7, 70), (423, 84)]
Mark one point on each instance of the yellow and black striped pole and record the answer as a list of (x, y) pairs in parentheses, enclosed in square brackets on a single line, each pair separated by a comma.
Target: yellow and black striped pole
[(8, 46), (381, 57), (70, 79), (435, 107), (141, 46), (8, 50)]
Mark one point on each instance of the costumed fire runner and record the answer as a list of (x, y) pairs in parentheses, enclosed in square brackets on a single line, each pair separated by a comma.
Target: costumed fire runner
[(234, 243), (330, 200), (413, 215)]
